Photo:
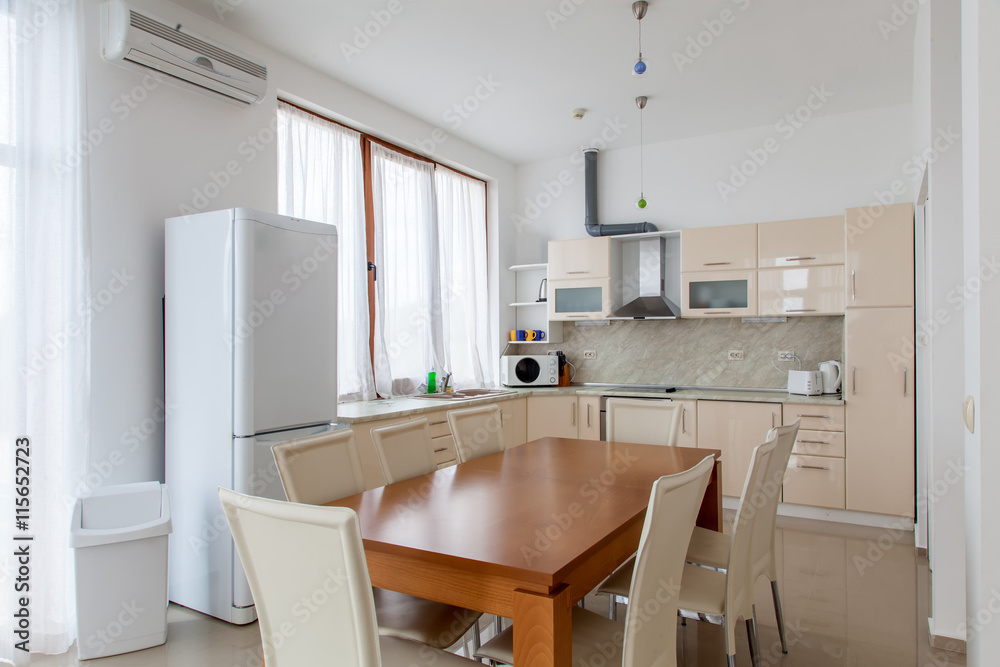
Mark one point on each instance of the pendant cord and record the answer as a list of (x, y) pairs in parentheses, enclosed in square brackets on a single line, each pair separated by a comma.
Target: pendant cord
[(641, 189), (640, 39)]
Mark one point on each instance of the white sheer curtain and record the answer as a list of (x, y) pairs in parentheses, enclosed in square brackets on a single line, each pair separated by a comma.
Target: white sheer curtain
[(44, 320), (408, 331), (320, 177), (461, 213)]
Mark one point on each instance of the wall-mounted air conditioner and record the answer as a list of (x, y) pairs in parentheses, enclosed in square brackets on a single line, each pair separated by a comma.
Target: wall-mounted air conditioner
[(135, 39)]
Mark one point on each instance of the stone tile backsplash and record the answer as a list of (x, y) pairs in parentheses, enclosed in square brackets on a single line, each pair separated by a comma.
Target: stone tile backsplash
[(694, 352)]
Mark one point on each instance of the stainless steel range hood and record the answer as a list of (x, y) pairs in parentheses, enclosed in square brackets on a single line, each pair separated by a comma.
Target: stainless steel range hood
[(643, 287)]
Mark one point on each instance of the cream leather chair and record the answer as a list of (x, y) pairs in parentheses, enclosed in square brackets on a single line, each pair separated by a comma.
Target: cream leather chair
[(708, 593), (650, 639), (711, 548), (404, 450), (477, 431), (291, 552), (646, 422), (320, 469)]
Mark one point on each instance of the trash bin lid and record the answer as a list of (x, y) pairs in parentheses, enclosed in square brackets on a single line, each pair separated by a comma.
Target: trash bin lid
[(121, 506)]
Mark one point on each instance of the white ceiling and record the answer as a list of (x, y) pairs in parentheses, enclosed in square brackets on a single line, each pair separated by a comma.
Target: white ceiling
[(434, 53)]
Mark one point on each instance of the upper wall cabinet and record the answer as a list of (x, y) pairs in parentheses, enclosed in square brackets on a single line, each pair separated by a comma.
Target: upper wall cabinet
[(879, 263), (810, 242), (580, 258), (719, 248)]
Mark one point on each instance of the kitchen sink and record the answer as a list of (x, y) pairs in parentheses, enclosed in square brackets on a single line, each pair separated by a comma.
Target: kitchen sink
[(465, 394)]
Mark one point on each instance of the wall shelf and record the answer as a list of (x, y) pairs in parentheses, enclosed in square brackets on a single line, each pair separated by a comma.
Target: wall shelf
[(530, 313)]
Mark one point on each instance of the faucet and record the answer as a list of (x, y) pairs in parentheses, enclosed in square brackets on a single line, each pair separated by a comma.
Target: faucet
[(444, 384)]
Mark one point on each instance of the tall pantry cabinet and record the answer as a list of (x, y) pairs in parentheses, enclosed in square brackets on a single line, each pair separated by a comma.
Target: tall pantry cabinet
[(879, 375)]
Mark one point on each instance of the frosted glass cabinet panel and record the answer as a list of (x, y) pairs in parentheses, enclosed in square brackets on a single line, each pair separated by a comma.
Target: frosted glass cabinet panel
[(719, 294)]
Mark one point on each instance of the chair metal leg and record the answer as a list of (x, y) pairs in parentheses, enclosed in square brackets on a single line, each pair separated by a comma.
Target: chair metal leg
[(732, 660), (754, 643), (614, 607), (497, 625), (477, 640), (779, 616)]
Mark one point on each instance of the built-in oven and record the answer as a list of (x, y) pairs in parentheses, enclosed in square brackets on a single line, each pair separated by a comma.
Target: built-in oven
[(604, 410)]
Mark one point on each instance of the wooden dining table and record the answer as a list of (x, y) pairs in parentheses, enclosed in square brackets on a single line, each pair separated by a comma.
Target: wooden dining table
[(523, 534)]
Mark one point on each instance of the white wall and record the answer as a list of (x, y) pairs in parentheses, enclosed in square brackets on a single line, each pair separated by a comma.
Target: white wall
[(829, 164), (981, 172), (161, 144)]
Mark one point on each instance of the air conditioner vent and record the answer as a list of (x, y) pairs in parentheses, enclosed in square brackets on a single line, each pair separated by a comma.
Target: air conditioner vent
[(154, 27)]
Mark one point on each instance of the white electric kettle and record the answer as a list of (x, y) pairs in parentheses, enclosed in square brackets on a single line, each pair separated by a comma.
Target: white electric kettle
[(830, 370)]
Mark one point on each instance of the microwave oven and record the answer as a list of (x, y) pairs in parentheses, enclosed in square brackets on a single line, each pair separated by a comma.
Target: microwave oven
[(525, 370)]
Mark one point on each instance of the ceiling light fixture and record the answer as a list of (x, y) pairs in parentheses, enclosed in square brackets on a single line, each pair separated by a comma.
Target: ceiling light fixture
[(638, 11), (640, 203), (578, 113)]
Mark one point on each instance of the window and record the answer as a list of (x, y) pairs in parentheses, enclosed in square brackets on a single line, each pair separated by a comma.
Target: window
[(424, 304)]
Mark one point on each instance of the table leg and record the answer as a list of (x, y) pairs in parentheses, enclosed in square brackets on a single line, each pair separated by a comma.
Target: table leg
[(543, 629), (710, 514)]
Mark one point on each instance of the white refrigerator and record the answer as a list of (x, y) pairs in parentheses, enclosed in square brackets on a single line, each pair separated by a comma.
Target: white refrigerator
[(250, 353)]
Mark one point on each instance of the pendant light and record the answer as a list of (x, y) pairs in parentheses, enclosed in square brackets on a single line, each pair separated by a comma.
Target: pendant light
[(638, 11), (640, 203)]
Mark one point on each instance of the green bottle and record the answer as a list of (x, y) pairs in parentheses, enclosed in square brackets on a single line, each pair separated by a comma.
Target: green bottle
[(432, 383)]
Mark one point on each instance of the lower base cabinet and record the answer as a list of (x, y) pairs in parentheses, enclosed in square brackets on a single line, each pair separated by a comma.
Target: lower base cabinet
[(514, 419), (552, 416), (736, 428), (589, 418), (816, 481), (687, 434)]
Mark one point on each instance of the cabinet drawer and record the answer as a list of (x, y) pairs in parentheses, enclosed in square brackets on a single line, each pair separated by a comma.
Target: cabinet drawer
[(719, 248), (815, 417), (579, 258), (816, 481), (809, 290), (820, 443), (444, 450), (437, 423), (813, 241)]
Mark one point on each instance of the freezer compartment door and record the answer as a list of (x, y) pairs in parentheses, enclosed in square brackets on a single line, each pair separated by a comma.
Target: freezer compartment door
[(284, 325)]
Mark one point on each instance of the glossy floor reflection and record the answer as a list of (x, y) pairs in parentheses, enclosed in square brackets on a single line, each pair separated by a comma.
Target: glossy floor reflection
[(853, 597)]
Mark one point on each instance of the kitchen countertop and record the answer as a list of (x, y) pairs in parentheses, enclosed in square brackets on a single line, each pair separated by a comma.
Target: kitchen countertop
[(365, 411)]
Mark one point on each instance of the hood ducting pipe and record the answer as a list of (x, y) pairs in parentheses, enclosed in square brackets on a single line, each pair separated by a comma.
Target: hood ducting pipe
[(593, 227)]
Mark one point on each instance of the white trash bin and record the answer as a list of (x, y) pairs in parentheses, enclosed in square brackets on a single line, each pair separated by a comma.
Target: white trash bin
[(119, 537)]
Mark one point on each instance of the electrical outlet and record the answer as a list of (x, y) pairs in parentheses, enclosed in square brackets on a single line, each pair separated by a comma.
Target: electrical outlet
[(590, 354), (735, 355), (786, 355)]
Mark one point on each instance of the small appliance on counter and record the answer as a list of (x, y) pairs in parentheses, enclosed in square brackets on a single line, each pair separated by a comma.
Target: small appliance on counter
[(831, 376), (805, 383), (564, 366), (526, 370)]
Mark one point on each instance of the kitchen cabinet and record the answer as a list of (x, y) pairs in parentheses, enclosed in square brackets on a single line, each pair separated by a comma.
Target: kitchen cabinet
[(580, 258), (514, 420), (719, 248), (719, 294), (816, 470), (579, 299), (809, 242), (687, 435), (442, 440), (808, 290), (589, 418), (736, 428), (530, 313), (879, 391), (552, 416), (879, 258)]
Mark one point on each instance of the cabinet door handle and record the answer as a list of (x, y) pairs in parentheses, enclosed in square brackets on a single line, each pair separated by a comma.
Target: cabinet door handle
[(443, 421), (575, 273), (905, 383), (854, 285), (798, 259), (774, 419), (572, 413), (854, 380), (801, 310), (814, 442), (578, 316), (718, 312), (501, 418), (588, 415), (443, 449), (815, 416), (811, 467), (684, 412), (716, 264)]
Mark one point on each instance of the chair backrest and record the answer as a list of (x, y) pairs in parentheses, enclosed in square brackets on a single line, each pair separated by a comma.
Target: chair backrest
[(404, 450), (659, 566), (643, 421), (293, 552), (763, 549), (477, 431), (321, 468), (739, 575)]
